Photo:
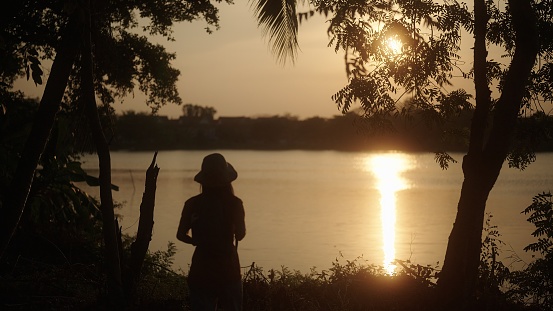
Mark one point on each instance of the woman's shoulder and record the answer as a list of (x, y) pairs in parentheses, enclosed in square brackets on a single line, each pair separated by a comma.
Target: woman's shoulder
[(193, 200)]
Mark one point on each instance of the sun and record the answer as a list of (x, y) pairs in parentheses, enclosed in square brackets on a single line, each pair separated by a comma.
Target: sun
[(394, 46)]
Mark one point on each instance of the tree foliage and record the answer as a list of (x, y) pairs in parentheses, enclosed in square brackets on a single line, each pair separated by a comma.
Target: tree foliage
[(541, 216), (430, 61), (125, 56), (197, 112), (54, 199), (429, 33), (534, 284)]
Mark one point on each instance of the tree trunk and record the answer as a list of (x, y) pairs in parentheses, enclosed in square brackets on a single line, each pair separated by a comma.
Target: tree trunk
[(144, 234), (457, 280), (483, 162), (115, 290), (14, 204)]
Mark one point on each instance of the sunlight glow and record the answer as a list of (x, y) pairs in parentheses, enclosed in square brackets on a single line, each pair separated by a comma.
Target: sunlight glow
[(387, 168), (394, 45)]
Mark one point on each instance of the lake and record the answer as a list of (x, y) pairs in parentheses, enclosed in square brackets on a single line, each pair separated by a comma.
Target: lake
[(306, 209)]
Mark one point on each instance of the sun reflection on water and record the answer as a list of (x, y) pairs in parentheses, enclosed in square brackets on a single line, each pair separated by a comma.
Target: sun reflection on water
[(387, 169)]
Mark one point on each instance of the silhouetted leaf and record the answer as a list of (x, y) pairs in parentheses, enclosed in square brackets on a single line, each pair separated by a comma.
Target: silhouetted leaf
[(443, 159)]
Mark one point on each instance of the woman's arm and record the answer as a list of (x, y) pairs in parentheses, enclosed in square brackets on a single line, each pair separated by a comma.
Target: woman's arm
[(240, 223), (184, 237), (184, 227)]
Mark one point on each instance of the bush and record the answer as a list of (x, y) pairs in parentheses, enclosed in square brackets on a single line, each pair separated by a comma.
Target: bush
[(353, 285), (534, 285)]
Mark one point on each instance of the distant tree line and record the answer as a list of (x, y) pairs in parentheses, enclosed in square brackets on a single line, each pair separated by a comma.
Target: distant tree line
[(197, 128)]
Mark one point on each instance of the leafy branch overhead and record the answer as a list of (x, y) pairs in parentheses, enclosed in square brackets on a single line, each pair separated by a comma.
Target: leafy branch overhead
[(279, 23), (125, 58), (429, 34)]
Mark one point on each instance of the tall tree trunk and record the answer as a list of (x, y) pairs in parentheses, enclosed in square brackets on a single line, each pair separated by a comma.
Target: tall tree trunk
[(483, 162), (109, 228), (458, 277), (14, 204), (144, 234)]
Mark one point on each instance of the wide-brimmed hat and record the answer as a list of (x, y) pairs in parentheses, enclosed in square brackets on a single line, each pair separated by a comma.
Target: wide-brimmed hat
[(216, 171)]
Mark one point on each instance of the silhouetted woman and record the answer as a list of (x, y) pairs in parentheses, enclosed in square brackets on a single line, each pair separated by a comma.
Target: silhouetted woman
[(215, 218)]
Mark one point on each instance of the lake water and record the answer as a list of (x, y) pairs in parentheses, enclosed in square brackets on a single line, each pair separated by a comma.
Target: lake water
[(304, 209)]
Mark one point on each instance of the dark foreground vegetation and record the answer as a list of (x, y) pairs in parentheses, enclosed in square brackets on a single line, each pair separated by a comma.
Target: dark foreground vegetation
[(60, 266)]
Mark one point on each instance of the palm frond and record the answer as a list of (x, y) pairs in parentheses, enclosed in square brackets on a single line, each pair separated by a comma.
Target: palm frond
[(278, 21)]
